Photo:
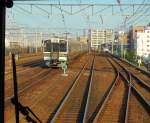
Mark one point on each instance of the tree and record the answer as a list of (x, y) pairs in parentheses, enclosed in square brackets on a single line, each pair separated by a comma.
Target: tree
[(131, 56)]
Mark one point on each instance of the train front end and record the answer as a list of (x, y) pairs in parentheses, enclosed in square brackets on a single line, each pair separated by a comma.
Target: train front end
[(55, 52)]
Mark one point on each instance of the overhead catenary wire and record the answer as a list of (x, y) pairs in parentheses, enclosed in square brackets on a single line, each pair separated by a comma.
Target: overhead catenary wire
[(137, 10), (137, 18), (42, 10), (139, 7), (63, 18)]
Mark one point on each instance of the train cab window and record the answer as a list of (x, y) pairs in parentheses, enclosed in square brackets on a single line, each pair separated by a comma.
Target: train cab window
[(63, 47), (47, 46), (55, 47)]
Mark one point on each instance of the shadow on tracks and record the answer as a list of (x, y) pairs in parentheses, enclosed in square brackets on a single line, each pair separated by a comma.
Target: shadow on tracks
[(37, 63)]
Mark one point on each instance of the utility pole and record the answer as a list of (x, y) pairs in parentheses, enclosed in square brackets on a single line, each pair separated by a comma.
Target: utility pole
[(122, 44), (66, 33), (36, 41), (2, 57), (3, 5), (112, 44), (41, 41), (124, 50)]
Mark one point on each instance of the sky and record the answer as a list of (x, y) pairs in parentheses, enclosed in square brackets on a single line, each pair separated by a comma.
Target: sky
[(37, 17)]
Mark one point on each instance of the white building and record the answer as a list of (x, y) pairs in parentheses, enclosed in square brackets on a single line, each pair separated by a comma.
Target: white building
[(98, 37), (143, 43)]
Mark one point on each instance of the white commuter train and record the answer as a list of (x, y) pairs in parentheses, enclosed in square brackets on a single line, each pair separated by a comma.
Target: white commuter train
[(58, 50)]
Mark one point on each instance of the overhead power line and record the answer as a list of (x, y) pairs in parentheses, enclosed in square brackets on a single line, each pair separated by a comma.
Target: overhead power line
[(77, 9)]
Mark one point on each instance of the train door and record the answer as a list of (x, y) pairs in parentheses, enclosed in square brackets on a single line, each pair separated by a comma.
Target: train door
[(55, 51), (63, 53)]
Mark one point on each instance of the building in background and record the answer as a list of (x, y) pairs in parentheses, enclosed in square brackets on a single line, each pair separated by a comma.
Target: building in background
[(83, 39), (142, 43), (132, 36), (109, 35), (99, 37)]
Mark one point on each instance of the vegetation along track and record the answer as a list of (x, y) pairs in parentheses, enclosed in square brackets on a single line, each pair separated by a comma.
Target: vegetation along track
[(72, 108)]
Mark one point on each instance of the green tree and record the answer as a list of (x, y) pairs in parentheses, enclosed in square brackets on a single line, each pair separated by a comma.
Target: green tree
[(131, 56)]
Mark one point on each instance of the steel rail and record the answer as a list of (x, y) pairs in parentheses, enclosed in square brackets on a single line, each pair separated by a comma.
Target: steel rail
[(21, 69), (107, 96), (46, 73), (146, 73), (138, 81), (103, 98), (128, 92), (53, 117), (143, 83), (125, 70), (127, 104), (106, 101), (132, 88), (128, 80), (89, 91), (142, 100)]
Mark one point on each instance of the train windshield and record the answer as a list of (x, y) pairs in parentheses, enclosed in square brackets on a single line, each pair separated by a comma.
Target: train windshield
[(55, 47), (47, 46), (63, 46)]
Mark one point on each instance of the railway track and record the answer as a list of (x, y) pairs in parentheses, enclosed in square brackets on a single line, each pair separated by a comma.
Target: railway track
[(142, 87), (23, 86), (73, 107), (44, 96), (113, 108), (136, 111), (134, 98), (140, 74), (22, 72), (21, 67), (99, 87), (121, 102), (26, 76)]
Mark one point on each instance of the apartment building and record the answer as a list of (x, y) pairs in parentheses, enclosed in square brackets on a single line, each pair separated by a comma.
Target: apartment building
[(143, 43), (99, 37), (132, 36)]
